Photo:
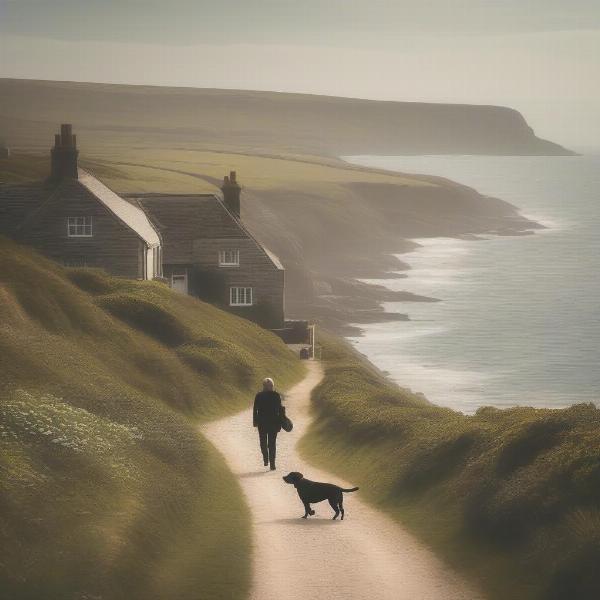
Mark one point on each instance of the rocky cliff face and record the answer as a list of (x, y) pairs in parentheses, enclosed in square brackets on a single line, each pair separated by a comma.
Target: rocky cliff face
[(299, 123)]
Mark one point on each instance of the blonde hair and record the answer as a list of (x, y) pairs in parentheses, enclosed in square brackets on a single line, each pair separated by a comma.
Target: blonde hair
[(268, 383)]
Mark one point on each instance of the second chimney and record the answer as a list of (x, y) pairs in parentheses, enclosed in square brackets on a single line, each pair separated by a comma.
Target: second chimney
[(64, 155), (231, 194)]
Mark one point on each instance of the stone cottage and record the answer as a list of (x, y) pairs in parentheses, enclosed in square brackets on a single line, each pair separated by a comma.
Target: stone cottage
[(196, 242), (209, 253), (75, 219)]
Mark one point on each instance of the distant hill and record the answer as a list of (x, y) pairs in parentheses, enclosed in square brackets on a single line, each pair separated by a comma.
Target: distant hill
[(249, 120)]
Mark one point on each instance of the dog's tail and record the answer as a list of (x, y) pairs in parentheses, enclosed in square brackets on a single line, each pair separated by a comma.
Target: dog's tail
[(350, 490)]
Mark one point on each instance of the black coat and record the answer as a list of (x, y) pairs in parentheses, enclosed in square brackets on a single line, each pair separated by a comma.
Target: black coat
[(268, 411)]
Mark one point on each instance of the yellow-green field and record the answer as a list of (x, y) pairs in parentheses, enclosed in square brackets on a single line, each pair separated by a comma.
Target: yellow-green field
[(198, 171), (258, 172)]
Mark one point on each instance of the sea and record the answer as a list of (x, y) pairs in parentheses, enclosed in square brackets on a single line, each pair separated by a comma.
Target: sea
[(518, 322)]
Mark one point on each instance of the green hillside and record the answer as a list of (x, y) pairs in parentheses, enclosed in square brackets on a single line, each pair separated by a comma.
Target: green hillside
[(106, 489), (511, 497)]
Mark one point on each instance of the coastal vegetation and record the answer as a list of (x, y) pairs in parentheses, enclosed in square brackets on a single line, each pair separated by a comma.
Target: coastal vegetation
[(511, 497), (107, 489)]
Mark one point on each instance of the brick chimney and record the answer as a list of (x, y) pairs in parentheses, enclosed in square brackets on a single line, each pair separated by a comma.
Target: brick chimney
[(231, 193), (64, 154)]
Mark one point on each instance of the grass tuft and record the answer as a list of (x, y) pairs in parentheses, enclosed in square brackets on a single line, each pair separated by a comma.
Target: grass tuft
[(93, 281), (148, 317)]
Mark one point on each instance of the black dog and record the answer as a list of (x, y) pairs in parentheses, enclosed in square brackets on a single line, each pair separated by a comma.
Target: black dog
[(313, 491)]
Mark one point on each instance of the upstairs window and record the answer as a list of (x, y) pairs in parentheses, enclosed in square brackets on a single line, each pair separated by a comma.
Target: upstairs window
[(240, 296), (229, 258), (79, 226)]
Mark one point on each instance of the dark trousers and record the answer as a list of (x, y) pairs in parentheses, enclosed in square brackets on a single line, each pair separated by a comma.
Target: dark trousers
[(268, 444)]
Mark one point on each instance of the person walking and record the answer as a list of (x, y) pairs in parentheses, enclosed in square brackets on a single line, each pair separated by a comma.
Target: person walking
[(267, 414)]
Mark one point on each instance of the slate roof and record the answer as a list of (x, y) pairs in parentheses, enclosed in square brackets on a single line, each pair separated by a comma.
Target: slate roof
[(132, 215), (183, 218)]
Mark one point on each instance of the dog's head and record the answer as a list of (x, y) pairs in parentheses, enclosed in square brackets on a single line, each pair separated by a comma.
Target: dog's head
[(293, 477)]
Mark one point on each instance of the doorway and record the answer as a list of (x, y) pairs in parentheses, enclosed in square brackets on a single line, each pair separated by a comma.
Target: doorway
[(179, 282)]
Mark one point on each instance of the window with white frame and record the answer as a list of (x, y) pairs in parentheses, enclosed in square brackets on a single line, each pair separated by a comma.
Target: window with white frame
[(229, 258), (240, 296), (79, 226)]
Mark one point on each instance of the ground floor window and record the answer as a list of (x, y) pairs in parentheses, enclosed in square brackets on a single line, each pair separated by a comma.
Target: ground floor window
[(240, 296)]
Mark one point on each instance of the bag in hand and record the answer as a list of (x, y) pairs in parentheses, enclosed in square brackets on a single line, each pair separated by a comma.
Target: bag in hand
[(286, 422)]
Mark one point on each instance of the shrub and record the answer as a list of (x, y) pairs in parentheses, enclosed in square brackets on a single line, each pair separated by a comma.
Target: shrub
[(147, 317), (227, 362), (439, 462), (198, 356), (528, 442), (93, 281)]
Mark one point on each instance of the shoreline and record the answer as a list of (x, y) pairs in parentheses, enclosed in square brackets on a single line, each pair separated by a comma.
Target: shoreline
[(359, 333), (388, 295), (489, 344)]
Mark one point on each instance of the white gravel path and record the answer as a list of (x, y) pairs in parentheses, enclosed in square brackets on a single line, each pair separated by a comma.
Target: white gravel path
[(365, 557)]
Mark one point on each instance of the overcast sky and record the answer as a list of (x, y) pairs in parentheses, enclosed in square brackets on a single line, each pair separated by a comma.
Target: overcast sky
[(539, 56)]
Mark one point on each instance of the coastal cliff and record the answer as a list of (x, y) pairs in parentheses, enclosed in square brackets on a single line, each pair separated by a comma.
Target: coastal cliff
[(251, 120)]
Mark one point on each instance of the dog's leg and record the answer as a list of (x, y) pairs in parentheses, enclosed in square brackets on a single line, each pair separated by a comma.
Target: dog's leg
[(341, 506), (307, 510), (333, 503)]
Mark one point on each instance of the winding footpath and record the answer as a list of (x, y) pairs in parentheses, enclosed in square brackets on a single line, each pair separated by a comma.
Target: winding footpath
[(365, 557)]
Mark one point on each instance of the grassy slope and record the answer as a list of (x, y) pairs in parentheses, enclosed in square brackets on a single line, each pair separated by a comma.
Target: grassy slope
[(106, 489), (512, 497)]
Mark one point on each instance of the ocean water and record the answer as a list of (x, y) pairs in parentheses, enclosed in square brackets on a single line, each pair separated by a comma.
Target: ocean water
[(519, 318)]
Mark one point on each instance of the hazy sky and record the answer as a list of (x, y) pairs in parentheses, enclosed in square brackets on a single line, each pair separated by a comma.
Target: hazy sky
[(539, 56)]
